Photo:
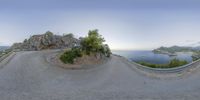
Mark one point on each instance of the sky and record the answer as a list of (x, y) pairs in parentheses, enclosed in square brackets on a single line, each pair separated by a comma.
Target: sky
[(125, 24)]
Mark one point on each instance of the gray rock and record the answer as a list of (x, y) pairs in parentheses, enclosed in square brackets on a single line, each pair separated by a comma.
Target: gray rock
[(47, 41)]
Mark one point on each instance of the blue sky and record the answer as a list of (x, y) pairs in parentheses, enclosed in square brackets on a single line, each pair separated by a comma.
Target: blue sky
[(125, 24)]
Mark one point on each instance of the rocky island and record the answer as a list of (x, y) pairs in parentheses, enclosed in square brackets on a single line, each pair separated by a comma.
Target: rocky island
[(173, 50)]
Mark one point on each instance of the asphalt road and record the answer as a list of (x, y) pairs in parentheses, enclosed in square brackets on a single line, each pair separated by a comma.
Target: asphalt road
[(28, 76)]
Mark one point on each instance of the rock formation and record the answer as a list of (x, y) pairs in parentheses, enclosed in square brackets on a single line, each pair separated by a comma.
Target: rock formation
[(47, 41)]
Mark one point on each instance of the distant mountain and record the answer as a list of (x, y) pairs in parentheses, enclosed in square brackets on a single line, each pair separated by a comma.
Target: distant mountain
[(175, 49), (4, 47), (196, 48)]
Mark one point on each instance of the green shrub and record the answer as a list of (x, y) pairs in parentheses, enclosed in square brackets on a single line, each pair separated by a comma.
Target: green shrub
[(194, 58), (69, 56), (176, 62), (173, 63), (153, 65), (91, 44), (105, 50)]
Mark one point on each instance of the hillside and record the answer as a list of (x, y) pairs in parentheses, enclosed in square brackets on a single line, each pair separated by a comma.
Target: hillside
[(46, 41), (175, 49)]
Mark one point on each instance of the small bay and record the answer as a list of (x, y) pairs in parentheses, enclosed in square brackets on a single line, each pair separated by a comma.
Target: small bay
[(151, 57)]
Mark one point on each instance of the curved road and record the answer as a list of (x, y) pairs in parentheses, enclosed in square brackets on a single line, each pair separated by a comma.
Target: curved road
[(28, 76)]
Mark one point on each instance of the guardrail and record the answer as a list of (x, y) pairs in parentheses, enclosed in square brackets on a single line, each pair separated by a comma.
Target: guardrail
[(168, 70)]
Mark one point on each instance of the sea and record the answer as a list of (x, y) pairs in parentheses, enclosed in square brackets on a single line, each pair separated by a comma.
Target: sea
[(151, 57)]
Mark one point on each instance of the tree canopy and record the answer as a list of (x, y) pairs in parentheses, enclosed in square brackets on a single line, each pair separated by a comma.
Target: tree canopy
[(93, 42)]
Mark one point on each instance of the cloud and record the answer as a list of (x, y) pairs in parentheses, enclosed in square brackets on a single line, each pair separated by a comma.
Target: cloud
[(190, 41), (193, 43)]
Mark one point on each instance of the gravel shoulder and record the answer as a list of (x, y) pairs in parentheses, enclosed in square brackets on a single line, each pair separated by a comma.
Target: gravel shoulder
[(28, 76)]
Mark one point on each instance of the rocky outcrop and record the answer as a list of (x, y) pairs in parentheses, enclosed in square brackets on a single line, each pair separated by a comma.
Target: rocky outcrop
[(47, 41)]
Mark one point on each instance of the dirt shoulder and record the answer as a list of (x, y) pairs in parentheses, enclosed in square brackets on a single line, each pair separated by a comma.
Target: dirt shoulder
[(84, 62)]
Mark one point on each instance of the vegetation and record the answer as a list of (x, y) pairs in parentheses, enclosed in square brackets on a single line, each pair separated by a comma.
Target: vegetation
[(91, 44), (194, 58), (4, 52), (173, 63), (68, 35), (176, 63), (196, 55), (68, 56), (105, 50)]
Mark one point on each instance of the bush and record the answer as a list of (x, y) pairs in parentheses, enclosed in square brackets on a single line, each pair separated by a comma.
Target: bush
[(176, 62), (105, 50), (173, 63), (194, 58), (69, 56), (153, 65)]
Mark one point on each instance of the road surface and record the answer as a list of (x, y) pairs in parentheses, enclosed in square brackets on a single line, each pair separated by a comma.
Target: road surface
[(28, 76)]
